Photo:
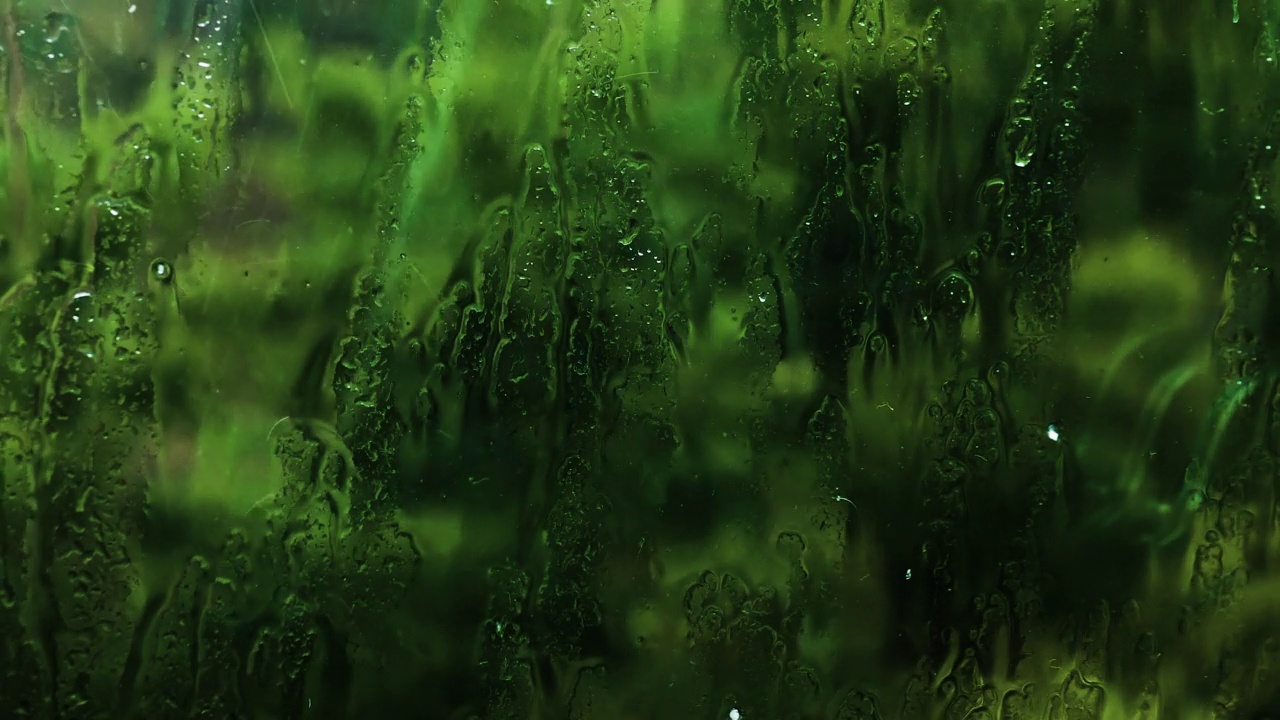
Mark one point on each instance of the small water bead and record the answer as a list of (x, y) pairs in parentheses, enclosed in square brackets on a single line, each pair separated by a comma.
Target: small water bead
[(162, 270)]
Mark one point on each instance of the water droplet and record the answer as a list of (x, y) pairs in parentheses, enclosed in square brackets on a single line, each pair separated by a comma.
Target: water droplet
[(953, 296), (902, 52), (986, 421), (998, 372), (1022, 140), (161, 270), (992, 192), (55, 25), (977, 392)]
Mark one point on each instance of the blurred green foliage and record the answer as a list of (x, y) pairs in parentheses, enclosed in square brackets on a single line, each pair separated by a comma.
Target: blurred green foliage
[(849, 359)]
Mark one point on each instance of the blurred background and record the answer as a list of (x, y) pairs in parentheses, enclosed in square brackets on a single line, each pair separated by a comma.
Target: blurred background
[(746, 359)]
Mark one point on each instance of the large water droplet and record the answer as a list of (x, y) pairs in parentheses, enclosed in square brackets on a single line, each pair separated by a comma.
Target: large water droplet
[(1022, 141)]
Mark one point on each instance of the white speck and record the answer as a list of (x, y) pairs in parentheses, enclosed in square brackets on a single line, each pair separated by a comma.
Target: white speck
[(1053, 433), (133, 9), (908, 573), (734, 714), (81, 294)]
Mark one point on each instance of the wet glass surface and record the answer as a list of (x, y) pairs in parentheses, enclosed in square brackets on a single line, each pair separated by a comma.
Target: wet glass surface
[(746, 359)]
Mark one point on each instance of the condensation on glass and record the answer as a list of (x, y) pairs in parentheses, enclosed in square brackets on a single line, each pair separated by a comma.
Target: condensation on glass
[(746, 359)]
